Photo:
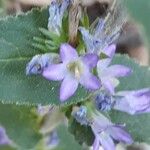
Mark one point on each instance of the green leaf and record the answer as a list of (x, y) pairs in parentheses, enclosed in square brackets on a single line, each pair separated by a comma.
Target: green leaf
[(15, 52), (140, 77), (21, 125), (5, 147), (82, 134), (67, 141), (137, 125)]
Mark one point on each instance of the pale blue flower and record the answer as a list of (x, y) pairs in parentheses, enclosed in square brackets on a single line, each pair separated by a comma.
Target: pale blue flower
[(108, 74), (56, 13), (39, 62), (80, 115), (133, 102), (103, 101), (98, 40), (106, 133), (73, 70)]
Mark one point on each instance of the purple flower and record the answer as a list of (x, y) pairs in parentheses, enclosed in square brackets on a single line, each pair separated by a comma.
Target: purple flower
[(80, 114), (56, 12), (106, 132), (39, 62), (73, 70), (98, 40), (53, 140), (109, 74), (104, 101), (4, 140), (92, 43), (133, 102)]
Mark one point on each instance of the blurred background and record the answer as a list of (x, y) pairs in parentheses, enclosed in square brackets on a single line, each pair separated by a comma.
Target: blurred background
[(134, 39)]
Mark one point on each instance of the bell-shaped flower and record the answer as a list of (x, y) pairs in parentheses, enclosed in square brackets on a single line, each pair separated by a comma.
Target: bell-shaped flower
[(108, 74), (73, 70), (56, 13), (133, 102), (103, 101), (39, 62), (97, 40), (80, 115), (106, 133)]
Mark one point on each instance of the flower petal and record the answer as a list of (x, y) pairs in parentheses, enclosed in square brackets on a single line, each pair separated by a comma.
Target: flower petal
[(96, 144), (90, 60), (108, 85), (68, 88), (4, 140), (142, 92), (102, 65), (54, 72), (68, 53), (110, 50), (90, 81), (106, 141), (120, 135), (123, 105), (118, 71)]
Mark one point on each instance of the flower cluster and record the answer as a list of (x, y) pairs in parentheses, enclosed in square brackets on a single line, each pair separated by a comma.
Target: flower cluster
[(106, 133), (95, 74)]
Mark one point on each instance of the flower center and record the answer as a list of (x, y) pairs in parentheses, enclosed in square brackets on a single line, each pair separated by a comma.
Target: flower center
[(75, 68)]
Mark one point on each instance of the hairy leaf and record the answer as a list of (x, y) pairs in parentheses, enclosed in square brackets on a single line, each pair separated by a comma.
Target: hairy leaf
[(67, 141), (137, 125), (15, 51), (21, 125)]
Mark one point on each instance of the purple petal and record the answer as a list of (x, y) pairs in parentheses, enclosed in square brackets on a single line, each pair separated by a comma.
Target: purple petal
[(4, 140), (108, 85), (100, 122), (90, 82), (142, 92), (133, 104), (120, 135), (103, 64), (54, 72), (106, 141), (123, 105), (68, 88), (118, 71), (96, 144), (90, 60), (110, 50), (68, 53)]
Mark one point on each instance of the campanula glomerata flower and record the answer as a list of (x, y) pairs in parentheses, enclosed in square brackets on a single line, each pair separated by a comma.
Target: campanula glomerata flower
[(133, 102), (56, 13), (97, 41), (108, 74), (39, 62), (72, 71), (106, 133), (80, 114)]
